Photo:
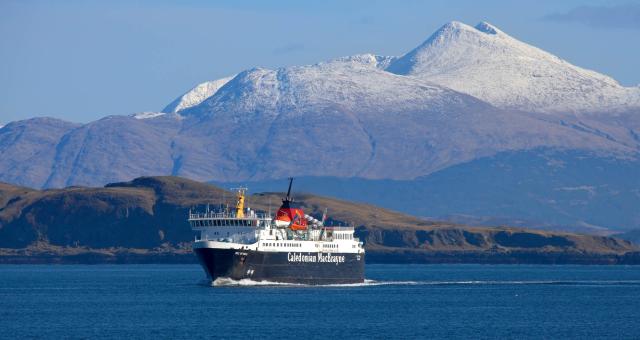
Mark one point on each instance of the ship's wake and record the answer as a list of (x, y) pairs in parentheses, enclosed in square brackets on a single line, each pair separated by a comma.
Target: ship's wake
[(370, 283), (223, 281)]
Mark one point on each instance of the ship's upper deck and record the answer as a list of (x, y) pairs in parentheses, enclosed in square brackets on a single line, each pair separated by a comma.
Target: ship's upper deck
[(228, 219)]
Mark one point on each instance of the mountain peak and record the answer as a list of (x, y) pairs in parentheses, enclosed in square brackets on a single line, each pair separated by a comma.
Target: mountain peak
[(457, 27), (486, 27), (491, 65), (196, 95)]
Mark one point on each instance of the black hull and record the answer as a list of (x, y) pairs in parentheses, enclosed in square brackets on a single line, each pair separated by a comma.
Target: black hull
[(294, 267)]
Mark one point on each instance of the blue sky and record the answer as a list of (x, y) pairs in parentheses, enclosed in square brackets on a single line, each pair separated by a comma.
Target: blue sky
[(81, 60)]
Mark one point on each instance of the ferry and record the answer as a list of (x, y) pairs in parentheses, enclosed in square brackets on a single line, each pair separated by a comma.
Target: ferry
[(290, 247)]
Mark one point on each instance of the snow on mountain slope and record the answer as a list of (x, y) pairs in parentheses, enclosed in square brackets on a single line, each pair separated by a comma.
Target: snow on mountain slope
[(491, 65), (147, 115), (196, 95), (354, 119), (356, 82)]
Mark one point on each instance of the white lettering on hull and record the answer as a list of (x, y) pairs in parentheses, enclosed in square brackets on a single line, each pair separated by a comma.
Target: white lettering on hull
[(319, 258)]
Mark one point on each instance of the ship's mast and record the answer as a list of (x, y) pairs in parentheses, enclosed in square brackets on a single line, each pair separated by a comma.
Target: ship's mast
[(288, 198), (240, 193)]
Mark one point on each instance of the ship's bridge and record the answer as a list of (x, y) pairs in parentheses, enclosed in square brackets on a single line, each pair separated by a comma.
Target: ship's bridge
[(228, 226), (201, 221)]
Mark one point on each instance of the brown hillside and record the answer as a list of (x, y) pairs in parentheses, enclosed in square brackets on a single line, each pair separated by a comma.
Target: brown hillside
[(145, 221)]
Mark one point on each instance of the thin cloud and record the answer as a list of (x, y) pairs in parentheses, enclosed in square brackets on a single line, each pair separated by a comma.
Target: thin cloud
[(288, 48), (621, 16)]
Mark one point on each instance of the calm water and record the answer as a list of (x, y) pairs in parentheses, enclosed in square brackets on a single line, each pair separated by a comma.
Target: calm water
[(403, 301)]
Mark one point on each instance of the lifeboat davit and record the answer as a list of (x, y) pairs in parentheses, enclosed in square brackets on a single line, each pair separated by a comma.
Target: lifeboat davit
[(290, 214)]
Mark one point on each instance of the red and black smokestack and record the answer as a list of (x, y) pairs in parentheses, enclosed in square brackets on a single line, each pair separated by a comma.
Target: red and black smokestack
[(291, 212)]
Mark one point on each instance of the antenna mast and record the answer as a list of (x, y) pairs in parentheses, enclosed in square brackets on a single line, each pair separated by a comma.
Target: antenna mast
[(288, 198)]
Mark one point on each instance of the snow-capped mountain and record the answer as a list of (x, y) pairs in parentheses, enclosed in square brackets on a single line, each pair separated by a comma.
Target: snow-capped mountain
[(352, 83), (487, 63), (465, 93), (357, 119), (465, 112), (481, 61), (196, 95)]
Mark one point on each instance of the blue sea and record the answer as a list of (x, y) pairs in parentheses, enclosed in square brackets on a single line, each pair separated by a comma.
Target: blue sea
[(397, 301)]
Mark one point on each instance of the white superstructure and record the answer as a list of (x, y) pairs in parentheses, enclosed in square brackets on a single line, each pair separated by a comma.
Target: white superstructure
[(251, 230)]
